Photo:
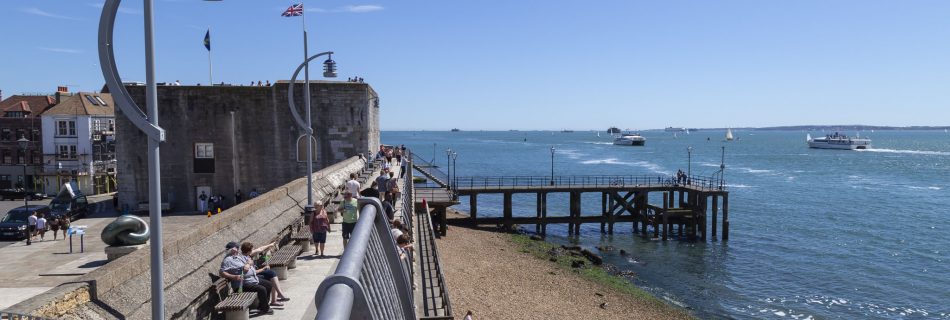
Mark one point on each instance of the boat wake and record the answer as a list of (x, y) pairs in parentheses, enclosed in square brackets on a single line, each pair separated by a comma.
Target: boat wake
[(643, 164), (924, 152)]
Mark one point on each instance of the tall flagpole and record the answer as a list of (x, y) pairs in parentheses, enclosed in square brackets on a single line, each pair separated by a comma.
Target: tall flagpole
[(306, 75), (210, 67)]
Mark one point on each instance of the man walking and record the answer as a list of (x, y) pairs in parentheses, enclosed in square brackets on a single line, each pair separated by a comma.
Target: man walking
[(353, 186), (31, 228)]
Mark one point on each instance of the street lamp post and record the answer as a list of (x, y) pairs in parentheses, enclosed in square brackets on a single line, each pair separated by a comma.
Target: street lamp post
[(448, 163), (552, 165), (689, 164), (25, 143), (329, 71), (455, 170), (722, 168)]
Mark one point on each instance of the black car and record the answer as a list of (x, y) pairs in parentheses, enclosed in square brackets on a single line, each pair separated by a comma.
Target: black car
[(14, 224), (72, 208)]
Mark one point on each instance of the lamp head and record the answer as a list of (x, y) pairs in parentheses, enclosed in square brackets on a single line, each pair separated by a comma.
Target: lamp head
[(329, 67), (23, 142)]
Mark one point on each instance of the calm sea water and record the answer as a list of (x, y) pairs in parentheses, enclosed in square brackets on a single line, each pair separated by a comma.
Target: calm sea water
[(814, 233)]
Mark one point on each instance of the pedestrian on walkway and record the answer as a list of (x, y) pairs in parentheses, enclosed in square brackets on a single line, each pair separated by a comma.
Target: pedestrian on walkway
[(64, 224), (349, 208), (319, 228), (31, 228), (202, 202), (41, 226), (54, 226), (353, 186), (392, 188)]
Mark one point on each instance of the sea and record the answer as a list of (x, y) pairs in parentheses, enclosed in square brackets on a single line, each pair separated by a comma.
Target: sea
[(815, 234)]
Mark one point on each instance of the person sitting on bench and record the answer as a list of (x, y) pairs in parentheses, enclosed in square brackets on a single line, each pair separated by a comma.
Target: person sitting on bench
[(239, 269)]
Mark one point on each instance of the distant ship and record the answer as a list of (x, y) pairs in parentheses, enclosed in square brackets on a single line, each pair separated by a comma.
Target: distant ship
[(455, 130), (838, 141), (672, 129), (567, 131), (628, 139)]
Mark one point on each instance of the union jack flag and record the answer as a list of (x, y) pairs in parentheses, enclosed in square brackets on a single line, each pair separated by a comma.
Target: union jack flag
[(294, 10)]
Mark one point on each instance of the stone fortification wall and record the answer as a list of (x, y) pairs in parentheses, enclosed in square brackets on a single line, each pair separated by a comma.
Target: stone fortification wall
[(253, 136), (121, 290)]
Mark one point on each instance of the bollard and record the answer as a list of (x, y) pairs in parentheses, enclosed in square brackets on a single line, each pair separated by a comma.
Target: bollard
[(209, 214)]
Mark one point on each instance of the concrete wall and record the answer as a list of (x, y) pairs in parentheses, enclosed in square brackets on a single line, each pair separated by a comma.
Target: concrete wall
[(120, 289), (254, 136)]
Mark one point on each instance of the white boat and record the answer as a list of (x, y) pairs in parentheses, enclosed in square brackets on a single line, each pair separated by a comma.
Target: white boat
[(838, 141), (628, 139), (729, 136)]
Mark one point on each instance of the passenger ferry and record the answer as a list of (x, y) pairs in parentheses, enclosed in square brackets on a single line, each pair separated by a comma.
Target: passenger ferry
[(630, 139), (838, 141)]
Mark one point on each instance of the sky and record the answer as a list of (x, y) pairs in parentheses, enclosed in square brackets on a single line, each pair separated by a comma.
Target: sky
[(529, 64)]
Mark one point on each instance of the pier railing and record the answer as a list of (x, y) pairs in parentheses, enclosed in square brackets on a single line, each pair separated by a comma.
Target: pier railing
[(370, 281), (430, 170), (619, 181)]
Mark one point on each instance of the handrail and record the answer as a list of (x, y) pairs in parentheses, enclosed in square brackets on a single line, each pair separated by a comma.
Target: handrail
[(370, 281), (489, 182), (428, 245)]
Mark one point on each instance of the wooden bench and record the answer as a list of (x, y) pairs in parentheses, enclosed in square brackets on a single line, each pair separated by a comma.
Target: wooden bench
[(235, 306), (283, 259), (302, 238)]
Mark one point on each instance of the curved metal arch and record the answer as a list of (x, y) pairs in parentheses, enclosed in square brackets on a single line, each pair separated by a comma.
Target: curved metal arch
[(290, 93), (111, 74)]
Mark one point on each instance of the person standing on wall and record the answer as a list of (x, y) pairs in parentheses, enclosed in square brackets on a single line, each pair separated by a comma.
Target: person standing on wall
[(349, 208)]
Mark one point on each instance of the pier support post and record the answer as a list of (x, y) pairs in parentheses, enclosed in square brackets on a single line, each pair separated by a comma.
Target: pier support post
[(577, 213), (544, 212), (473, 207), (683, 200), (700, 208), (506, 219), (603, 210), (537, 227), (715, 214), (666, 206), (725, 217)]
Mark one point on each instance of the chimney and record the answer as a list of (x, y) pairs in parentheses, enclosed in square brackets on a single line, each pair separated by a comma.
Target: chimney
[(61, 91)]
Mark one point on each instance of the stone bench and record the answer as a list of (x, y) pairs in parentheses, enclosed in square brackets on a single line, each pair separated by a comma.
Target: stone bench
[(235, 306), (283, 259), (302, 238)]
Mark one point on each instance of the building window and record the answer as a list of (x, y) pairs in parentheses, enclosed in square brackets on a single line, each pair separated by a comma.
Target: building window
[(6, 134), (302, 148), (20, 133), (66, 152), (204, 151), (22, 157), (66, 128), (7, 157), (204, 158)]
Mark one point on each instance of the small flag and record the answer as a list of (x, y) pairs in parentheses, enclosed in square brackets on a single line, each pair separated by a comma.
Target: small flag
[(294, 10), (208, 40)]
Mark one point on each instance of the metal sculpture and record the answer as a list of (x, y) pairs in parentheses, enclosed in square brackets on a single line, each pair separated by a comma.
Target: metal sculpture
[(126, 230)]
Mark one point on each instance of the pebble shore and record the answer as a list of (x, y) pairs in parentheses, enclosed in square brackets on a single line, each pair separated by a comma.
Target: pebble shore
[(487, 273)]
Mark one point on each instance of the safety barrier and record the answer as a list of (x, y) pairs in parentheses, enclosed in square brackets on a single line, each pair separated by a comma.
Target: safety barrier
[(370, 281)]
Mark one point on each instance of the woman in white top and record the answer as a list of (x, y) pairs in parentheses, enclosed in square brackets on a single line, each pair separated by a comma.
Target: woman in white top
[(41, 226)]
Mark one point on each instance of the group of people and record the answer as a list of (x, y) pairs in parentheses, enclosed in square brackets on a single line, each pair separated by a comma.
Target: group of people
[(681, 177), (355, 79), (266, 84), (246, 268), (38, 225), (214, 202)]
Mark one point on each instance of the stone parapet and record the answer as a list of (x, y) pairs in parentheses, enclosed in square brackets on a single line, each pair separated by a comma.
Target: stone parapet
[(121, 290)]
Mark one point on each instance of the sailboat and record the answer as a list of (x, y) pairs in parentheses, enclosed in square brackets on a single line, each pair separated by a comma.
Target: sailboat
[(729, 136)]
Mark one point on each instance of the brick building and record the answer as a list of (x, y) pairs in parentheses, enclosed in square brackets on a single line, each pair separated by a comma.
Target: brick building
[(19, 118)]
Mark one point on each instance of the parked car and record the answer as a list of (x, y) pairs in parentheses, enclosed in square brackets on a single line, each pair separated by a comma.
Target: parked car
[(73, 208), (14, 224), (11, 194)]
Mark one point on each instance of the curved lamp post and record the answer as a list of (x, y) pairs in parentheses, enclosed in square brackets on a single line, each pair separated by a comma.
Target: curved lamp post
[(329, 71), (552, 165), (148, 123)]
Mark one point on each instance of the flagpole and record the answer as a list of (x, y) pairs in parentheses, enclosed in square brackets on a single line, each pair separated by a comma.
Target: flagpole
[(210, 66), (306, 74)]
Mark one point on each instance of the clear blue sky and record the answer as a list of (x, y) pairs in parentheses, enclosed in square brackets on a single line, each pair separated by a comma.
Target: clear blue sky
[(502, 64)]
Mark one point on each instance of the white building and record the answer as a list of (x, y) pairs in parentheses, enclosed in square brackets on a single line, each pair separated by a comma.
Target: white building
[(78, 143)]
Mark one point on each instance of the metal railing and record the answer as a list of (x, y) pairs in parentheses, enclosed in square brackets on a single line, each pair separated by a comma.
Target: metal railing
[(370, 281), (430, 171), (435, 295), (705, 183), (6, 315)]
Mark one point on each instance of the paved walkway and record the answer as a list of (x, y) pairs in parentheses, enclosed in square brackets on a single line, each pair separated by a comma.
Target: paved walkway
[(26, 271)]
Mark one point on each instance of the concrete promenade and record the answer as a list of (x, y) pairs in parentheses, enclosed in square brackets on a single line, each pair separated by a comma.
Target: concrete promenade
[(27, 271)]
